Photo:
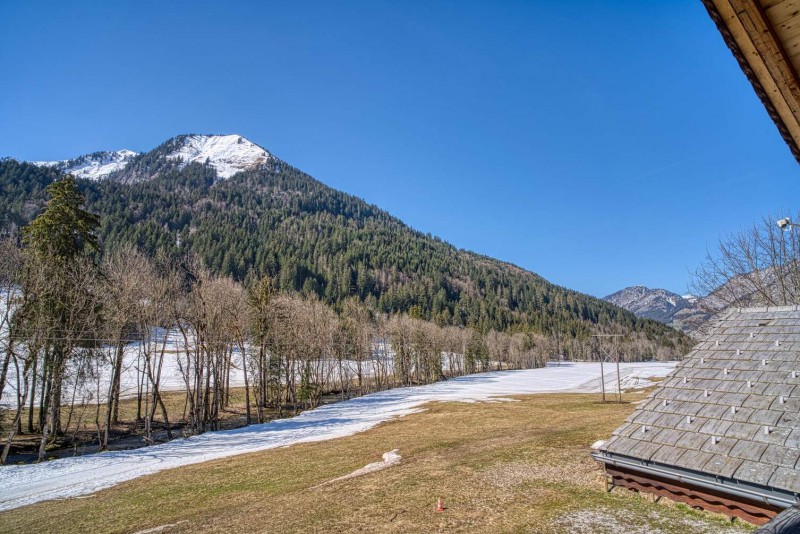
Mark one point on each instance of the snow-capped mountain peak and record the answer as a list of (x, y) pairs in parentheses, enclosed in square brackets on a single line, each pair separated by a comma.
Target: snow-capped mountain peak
[(227, 154), (93, 166)]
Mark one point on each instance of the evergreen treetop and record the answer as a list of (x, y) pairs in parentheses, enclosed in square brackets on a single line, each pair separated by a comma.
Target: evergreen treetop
[(64, 229)]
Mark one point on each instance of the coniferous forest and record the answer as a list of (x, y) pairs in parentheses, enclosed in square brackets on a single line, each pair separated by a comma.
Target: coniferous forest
[(314, 240)]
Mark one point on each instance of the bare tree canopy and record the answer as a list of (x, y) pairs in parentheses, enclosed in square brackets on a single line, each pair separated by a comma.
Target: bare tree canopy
[(757, 266)]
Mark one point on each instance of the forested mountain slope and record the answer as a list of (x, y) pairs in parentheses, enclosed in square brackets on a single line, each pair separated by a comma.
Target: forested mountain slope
[(270, 218)]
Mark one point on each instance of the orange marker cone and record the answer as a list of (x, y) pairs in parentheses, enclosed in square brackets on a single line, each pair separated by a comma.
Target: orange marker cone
[(440, 506)]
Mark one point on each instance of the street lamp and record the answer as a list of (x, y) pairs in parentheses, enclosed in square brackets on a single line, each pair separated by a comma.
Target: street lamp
[(787, 224)]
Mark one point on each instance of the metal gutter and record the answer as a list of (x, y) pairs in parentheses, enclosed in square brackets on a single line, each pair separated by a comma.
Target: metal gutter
[(754, 492)]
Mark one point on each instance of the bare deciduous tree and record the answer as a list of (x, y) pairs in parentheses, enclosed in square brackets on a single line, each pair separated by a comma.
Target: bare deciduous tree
[(756, 266)]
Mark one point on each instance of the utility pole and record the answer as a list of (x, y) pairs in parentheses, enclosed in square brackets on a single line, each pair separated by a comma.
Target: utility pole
[(613, 354)]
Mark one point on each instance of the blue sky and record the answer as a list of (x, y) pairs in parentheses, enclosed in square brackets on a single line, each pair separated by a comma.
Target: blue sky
[(599, 144)]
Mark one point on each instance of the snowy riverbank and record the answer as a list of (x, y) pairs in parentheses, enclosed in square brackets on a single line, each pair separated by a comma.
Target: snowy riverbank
[(26, 484)]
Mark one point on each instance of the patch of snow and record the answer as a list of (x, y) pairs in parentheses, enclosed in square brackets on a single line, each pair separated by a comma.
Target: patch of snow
[(26, 484), (597, 444), (92, 166), (389, 459), (228, 154)]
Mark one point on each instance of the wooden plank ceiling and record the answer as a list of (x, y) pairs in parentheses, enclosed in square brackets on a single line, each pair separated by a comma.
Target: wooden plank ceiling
[(764, 36)]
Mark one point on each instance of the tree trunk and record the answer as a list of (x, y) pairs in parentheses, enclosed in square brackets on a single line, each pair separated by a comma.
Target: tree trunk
[(52, 420), (44, 396), (155, 378), (35, 358), (113, 401), (4, 370), (140, 376), (246, 386), (110, 407), (16, 424)]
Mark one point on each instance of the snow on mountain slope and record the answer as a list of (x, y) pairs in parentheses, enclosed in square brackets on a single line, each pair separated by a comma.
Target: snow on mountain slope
[(92, 166), (228, 154)]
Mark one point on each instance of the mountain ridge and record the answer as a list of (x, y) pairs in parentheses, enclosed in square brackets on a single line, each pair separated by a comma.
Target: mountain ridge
[(93, 166), (658, 304), (687, 313), (227, 153), (272, 219)]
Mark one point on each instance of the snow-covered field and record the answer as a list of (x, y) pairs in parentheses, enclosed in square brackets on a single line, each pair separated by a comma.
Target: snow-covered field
[(95, 382), (70, 477)]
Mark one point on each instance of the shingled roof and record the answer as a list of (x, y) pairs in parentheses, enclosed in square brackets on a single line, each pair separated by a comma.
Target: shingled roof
[(728, 416)]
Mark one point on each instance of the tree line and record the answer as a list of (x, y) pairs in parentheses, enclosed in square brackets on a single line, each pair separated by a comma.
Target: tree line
[(308, 238), (71, 317)]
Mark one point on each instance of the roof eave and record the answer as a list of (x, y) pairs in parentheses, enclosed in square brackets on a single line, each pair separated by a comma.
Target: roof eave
[(764, 69), (746, 490)]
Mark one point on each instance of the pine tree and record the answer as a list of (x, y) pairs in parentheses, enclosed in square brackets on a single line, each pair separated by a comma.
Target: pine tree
[(59, 287), (64, 230)]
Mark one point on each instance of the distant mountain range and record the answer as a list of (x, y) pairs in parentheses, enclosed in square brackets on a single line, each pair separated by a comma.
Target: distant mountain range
[(683, 312), (247, 213)]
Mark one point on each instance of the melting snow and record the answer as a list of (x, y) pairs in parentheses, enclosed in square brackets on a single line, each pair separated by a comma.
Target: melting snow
[(70, 477), (389, 459)]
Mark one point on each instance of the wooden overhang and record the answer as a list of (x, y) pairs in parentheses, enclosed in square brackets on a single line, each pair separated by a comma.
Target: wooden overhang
[(764, 36)]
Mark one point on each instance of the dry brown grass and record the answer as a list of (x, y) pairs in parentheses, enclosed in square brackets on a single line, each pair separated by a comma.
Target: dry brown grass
[(500, 467)]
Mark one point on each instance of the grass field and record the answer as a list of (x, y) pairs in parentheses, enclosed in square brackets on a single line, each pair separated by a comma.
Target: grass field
[(499, 467)]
